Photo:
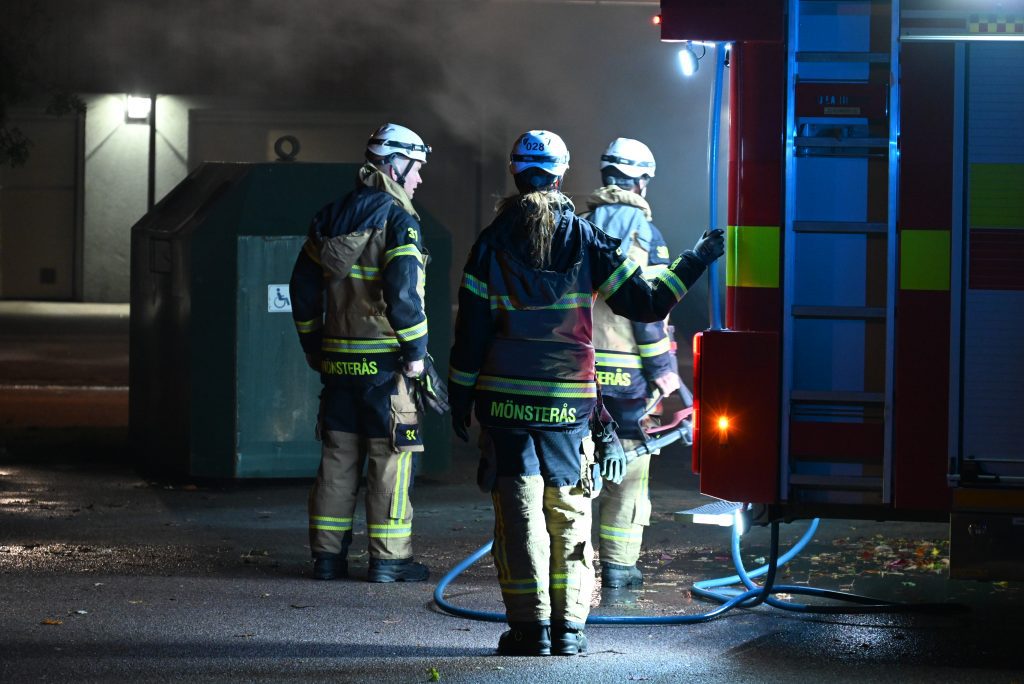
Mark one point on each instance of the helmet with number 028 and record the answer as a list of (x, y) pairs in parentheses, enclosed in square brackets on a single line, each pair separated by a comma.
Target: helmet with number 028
[(630, 158), (542, 150), (391, 139)]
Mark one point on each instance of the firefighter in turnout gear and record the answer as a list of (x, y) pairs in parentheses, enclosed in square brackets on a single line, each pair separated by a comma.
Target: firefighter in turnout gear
[(523, 363), (358, 302), (633, 359)]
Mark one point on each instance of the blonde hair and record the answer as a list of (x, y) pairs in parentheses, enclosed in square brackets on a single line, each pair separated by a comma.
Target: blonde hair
[(540, 213)]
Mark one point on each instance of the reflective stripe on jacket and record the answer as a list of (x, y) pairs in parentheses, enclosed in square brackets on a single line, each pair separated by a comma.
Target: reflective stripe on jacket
[(629, 355), (365, 252), (524, 336)]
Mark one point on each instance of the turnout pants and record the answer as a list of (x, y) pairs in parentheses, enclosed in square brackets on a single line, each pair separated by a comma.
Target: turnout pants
[(373, 416), (625, 511), (542, 532)]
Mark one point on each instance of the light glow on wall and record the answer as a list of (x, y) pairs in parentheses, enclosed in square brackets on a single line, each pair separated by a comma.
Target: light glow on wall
[(137, 108)]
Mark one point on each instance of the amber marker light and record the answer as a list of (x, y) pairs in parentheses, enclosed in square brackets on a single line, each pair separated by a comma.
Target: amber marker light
[(723, 423), (656, 20), (723, 429)]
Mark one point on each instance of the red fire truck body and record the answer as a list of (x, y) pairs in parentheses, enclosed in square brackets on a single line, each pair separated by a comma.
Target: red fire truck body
[(872, 364)]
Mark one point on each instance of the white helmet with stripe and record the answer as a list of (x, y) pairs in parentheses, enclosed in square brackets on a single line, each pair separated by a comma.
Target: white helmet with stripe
[(392, 139), (629, 157), (538, 149)]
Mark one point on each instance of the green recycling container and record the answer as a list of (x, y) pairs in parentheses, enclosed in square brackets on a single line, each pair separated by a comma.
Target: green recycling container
[(218, 384)]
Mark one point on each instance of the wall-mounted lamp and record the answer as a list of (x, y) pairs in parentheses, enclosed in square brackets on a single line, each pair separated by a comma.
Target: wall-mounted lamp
[(137, 108), (688, 61)]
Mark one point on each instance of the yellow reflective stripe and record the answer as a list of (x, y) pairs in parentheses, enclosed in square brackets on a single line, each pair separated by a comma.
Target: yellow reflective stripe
[(309, 326), (618, 360), (622, 533), (365, 272), (537, 388), (752, 259), (662, 346), (326, 522), (669, 278), (461, 377), (924, 260), (474, 285), (341, 345), (562, 580), (412, 332), (645, 479), (619, 276), (403, 250), (400, 499), (390, 530), (571, 300)]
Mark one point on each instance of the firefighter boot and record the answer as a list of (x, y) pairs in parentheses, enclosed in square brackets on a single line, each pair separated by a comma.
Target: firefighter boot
[(396, 570), (328, 566), (525, 639), (567, 638), (614, 576)]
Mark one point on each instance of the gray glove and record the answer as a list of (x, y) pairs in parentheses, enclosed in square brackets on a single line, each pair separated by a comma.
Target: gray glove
[(710, 246), (613, 464), (610, 454)]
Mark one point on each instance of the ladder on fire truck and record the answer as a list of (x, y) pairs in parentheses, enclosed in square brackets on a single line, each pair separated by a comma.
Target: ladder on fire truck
[(839, 251)]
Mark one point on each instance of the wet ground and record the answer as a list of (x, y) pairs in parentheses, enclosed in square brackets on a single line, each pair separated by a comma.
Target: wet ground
[(110, 575)]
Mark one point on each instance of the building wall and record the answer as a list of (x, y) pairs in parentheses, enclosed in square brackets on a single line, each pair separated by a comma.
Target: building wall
[(468, 76), (39, 210)]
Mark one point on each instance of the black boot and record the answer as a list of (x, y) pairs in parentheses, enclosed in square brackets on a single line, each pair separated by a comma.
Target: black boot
[(399, 570), (328, 566), (567, 638), (614, 576), (525, 639)]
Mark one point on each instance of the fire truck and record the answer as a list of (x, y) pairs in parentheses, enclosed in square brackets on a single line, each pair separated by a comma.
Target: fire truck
[(871, 364)]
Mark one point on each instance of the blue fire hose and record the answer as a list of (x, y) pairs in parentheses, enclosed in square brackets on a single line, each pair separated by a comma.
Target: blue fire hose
[(751, 596)]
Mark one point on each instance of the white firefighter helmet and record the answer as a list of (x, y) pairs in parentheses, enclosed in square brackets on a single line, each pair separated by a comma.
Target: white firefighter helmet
[(392, 139), (630, 157), (542, 150)]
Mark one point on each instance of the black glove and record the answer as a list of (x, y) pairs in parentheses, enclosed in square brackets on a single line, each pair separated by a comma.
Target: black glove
[(710, 246), (460, 421), (431, 392), (610, 455)]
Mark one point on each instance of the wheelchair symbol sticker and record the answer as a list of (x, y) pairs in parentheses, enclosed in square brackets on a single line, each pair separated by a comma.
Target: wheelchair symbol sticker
[(278, 299)]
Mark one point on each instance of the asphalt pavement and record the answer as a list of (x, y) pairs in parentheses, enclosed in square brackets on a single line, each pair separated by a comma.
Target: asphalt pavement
[(108, 575)]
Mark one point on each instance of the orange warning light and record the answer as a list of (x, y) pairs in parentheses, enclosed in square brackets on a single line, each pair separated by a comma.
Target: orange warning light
[(723, 429), (656, 19)]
